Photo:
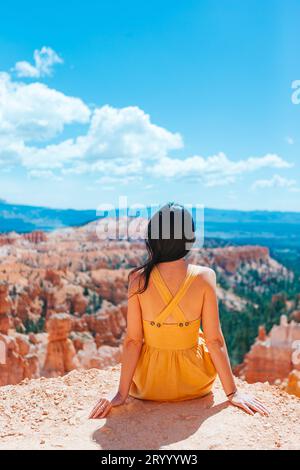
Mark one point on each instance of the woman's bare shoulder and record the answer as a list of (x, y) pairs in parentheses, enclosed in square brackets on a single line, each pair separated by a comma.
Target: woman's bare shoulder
[(205, 274)]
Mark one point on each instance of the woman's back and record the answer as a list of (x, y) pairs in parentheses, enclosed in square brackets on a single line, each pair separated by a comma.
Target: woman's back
[(174, 363), (172, 276)]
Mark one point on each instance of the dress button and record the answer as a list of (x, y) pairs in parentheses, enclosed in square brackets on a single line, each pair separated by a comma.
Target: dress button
[(186, 323), (180, 324), (152, 323), (158, 325)]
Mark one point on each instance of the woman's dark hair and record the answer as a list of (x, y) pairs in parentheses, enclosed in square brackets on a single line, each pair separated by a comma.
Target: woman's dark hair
[(170, 236)]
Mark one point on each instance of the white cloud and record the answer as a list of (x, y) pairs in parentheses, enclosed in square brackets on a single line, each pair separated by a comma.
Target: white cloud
[(217, 169), (35, 112), (277, 181), (123, 136), (44, 60)]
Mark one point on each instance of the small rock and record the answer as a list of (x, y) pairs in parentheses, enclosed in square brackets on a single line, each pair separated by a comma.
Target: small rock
[(105, 429)]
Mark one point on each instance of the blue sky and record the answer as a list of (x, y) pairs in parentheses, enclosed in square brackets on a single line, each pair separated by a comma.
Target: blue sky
[(157, 101)]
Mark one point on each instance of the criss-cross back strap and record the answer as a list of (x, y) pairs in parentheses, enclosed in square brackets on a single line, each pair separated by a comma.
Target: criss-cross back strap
[(172, 301), (167, 297)]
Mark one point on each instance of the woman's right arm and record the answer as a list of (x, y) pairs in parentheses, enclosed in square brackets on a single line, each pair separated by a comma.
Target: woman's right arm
[(131, 352), (216, 345)]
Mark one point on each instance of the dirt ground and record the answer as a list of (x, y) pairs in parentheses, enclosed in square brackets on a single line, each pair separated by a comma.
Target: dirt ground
[(53, 414)]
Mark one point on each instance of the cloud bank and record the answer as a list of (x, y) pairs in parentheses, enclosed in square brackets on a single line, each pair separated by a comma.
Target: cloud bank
[(116, 143)]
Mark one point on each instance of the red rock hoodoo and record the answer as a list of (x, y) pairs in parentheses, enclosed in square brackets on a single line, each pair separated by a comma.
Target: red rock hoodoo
[(273, 357)]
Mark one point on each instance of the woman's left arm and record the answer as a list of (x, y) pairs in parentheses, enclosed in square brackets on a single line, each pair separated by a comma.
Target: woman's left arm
[(131, 352), (217, 348)]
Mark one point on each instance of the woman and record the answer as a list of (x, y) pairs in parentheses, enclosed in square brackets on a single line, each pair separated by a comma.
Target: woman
[(166, 356)]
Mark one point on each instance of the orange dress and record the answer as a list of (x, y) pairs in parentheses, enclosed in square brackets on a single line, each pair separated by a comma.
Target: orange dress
[(174, 364)]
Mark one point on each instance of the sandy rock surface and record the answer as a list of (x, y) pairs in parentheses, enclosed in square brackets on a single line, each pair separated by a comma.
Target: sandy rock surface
[(52, 414)]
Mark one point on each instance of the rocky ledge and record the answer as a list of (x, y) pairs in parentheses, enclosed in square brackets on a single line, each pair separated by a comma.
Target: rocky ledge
[(52, 413)]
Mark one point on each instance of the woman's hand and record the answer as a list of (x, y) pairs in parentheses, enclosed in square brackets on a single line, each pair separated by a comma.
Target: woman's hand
[(104, 406), (248, 403)]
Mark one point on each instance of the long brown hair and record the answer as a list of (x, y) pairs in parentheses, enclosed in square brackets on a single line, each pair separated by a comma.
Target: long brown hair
[(170, 236)]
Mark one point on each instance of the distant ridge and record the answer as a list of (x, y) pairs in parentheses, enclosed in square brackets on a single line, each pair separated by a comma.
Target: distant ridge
[(20, 218), (271, 228)]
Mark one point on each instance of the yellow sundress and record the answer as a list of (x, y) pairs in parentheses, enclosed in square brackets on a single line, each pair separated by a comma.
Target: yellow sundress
[(174, 364)]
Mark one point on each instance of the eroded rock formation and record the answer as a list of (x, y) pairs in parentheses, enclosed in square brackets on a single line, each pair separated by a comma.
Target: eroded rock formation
[(17, 359), (229, 258), (293, 383), (37, 236), (61, 354), (5, 309), (273, 356)]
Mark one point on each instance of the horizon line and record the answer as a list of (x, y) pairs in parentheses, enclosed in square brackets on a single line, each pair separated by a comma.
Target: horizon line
[(5, 202)]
